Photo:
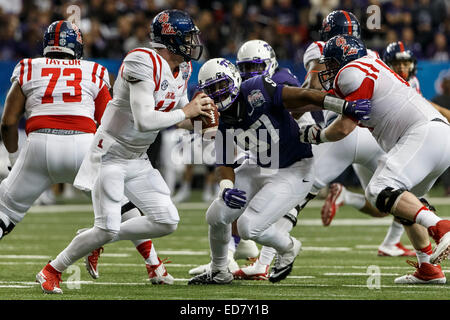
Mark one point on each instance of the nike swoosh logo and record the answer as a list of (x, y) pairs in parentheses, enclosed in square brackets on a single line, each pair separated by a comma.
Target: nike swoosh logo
[(180, 86), (305, 180)]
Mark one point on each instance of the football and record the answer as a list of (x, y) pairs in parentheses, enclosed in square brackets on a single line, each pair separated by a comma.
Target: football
[(208, 123)]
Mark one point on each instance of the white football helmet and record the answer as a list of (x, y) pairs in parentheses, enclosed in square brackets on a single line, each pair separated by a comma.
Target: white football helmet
[(256, 57), (221, 81)]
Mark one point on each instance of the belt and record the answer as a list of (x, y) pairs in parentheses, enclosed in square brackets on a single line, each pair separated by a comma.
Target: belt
[(62, 132)]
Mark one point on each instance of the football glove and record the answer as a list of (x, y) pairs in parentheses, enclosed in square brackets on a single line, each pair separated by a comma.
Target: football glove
[(358, 109), (310, 134), (234, 198)]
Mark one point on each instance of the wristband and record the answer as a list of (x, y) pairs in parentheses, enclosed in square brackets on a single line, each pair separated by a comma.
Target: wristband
[(224, 184), (334, 104)]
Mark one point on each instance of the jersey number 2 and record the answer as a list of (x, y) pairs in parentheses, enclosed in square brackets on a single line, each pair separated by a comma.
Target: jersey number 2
[(55, 74)]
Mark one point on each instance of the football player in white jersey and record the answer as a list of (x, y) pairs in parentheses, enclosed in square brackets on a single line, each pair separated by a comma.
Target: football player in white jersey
[(359, 149), (413, 159), (63, 99), (149, 95)]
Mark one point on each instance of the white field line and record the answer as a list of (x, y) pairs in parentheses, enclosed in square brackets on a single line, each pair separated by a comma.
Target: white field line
[(27, 284), (182, 206)]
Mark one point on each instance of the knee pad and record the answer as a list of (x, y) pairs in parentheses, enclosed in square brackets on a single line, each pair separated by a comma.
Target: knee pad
[(5, 229), (244, 229), (387, 198)]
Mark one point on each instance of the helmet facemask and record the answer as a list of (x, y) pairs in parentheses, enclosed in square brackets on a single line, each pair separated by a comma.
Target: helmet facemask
[(251, 68), (222, 90), (326, 77)]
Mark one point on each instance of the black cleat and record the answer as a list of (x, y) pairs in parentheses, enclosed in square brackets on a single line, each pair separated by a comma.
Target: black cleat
[(216, 277)]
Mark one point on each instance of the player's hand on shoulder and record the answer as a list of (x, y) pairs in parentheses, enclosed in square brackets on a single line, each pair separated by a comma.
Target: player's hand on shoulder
[(310, 133), (199, 105), (358, 109), (234, 198)]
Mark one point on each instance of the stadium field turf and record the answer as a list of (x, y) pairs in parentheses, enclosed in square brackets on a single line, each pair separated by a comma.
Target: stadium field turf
[(338, 262)]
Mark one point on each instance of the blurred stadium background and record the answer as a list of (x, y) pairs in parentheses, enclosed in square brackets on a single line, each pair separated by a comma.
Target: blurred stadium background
[(113, 27)]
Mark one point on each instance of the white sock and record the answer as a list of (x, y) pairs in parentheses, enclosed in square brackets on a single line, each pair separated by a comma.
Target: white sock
[(266, 255), (232, 245), (81, 245), (219, 238), (394, 234), (427, 218), (423, 255), (356, 200)]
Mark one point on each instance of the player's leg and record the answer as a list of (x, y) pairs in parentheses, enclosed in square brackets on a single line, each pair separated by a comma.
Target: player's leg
[(220, 218), (368, 154), (24, 184), (259, 270), (279, 194), (415, 162), (106, 196)]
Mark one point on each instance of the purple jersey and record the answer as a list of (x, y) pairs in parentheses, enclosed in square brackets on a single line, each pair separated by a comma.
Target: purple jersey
[(266, 131), (285, 76)]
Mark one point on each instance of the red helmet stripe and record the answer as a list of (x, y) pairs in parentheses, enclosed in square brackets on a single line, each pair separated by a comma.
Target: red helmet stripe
[(350, 27), (58, 26), (402, 47)]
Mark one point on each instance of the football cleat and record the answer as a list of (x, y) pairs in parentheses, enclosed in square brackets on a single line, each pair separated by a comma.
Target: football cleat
[(246, 249), (91, 262), (334, 200), (232, 266), (212, 277), (396, 250), (441, 235), (158, 274), (255, 271), (284, 262), (49, 278), (425, 274)]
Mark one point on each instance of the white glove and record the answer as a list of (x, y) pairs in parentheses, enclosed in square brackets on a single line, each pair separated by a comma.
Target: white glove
[(311, 134)]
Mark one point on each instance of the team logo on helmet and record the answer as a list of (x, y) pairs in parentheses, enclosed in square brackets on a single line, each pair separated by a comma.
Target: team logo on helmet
[(163, 17), (341, 42)]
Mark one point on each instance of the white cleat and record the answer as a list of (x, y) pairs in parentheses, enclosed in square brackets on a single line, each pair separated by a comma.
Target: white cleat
[(425, 274), (232, 266), (158, 274), (396, 250), (255, 271)]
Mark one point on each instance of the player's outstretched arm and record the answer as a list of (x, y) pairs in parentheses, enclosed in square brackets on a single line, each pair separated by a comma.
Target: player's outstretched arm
[(12, 113), (146, 118), (302, 100), (339, 129)]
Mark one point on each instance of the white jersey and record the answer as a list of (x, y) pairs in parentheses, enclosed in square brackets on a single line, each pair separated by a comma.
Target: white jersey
[(61, 93), (396, 107), (170, 94)]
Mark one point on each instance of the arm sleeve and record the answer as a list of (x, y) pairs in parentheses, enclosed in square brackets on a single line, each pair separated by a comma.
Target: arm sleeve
[(143, 108), (353, 83), (141, 66)]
